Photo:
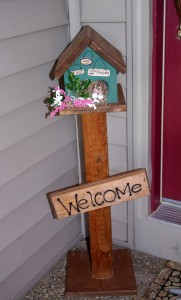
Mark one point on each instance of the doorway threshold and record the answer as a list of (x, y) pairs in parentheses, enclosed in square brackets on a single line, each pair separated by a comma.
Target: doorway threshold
[(171, 201), (168, 213)]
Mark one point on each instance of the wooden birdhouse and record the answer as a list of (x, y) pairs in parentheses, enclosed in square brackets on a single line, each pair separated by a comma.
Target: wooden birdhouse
[(88, 67)]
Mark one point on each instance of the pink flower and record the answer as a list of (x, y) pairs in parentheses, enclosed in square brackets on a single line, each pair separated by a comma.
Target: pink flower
[(57, 88), (82, 102), (58, 108), (67, 98)]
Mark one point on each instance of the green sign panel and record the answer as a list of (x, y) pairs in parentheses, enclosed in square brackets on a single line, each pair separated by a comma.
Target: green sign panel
[(89, 65)]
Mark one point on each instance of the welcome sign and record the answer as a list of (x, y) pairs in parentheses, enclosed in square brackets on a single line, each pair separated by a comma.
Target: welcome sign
[(113, 190)]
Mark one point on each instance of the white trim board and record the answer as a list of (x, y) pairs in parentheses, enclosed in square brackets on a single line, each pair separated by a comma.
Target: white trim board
[(158, 238), (129, 74)]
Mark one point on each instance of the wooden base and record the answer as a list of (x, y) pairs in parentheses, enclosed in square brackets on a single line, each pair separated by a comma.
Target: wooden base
[(79, 281)]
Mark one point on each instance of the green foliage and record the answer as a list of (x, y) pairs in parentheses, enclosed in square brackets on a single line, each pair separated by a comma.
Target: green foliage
[(78, 87), (50, 100)]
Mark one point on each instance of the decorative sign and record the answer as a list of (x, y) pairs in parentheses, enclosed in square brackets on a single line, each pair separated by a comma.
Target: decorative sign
[(78, 72), (112, 190), (86, 61), (99, 72)]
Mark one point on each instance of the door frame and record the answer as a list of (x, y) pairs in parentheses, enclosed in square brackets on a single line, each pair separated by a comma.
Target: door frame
[(156, 114), (156, 237)]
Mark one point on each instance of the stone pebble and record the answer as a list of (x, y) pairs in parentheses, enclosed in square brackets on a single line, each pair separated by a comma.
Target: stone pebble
[(176, 284), (176, 273), (168, 288), (162, 294), (174, 279)]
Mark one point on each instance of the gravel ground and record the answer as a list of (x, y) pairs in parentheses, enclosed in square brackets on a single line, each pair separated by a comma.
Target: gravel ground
[(51, 287)]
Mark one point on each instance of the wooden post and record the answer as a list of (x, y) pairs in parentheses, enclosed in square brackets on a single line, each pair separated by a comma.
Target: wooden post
[(96, 166), (108, 272)]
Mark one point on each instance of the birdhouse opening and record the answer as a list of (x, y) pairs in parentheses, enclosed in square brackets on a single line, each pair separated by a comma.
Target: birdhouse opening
[(98, 91)]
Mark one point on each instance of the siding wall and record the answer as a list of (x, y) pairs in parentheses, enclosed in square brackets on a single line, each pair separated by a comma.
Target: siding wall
[(110, 19), (37, 155)]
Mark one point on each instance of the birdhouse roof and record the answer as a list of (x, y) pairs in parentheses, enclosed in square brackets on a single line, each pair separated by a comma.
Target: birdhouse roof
[(88, 37)]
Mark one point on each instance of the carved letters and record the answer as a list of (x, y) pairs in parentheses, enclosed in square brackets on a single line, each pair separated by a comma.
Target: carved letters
[(91, 196)]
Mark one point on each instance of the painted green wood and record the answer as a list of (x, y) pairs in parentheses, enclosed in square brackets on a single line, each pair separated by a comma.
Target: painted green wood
[(96, 62)]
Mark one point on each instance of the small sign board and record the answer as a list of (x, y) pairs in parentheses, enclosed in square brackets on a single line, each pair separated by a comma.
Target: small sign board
[(106, 192), (99, 72)]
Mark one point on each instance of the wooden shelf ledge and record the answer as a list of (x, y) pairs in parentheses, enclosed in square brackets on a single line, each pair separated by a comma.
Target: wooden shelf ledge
[(120, 106)]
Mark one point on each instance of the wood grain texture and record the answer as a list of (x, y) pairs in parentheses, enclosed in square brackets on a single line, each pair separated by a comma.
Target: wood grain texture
[(103, 108), (114, 107), (115, 33), (79, 281), (96, 167), (88, 37), (102, 193)]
